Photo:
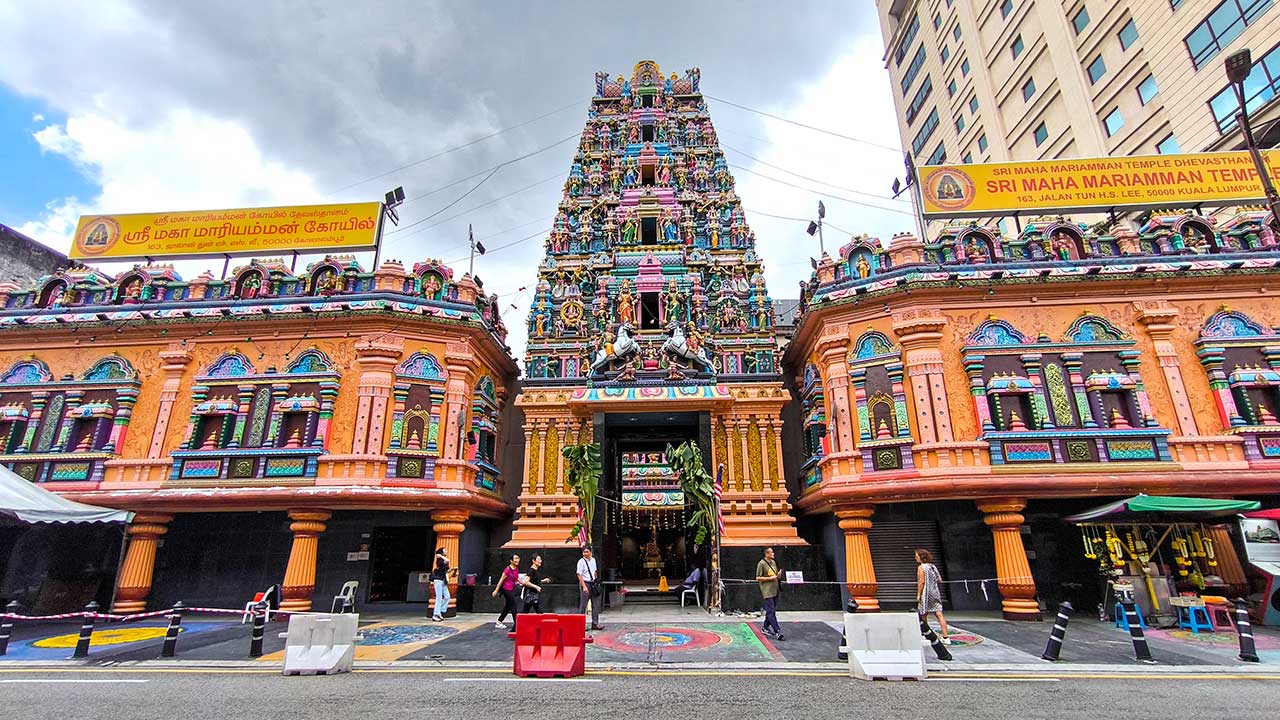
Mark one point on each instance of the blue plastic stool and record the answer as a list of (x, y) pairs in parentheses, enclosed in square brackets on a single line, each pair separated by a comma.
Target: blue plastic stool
[(1190, 619), (1122, 620)]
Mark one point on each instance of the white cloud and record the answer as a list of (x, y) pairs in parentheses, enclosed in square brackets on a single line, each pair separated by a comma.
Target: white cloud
[(37, 118)]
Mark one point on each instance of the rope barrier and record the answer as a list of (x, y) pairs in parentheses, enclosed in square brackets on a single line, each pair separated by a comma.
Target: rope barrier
[(138, 616)]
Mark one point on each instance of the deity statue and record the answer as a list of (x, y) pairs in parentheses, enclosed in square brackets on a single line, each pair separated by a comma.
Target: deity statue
[(98, 236), (687, 226), (864, 267), (1061, 245), (324, 283), (682, 177), (629, 178), (713, 231), (540, 319), (625, 304), (68, 297), (629, 228), (133, 291), (673, 301), (971, 251), (626, 87), (670, 234), (669, 86), (633, 133), (250, 287), (615, 179), (664, 173)]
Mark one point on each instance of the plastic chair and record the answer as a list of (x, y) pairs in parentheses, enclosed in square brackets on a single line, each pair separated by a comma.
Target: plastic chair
[(1189, 618), (266, 597), (346, 597), (1122, 620), (1221, 613), (690, 586)]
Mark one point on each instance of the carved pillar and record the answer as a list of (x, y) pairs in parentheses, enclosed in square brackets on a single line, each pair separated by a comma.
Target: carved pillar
[(278, 393), (38, 400), (1214, 361), (559, 484), (300, 575), (1017, 588), (1043, 419), (1129, 360), (1158, 317), (780, 468), (126, 398), (134, 583), (744, 426), (448, 527), (1074, 363), (74, 398), (541, 482), (175, 359), (833, 349), (244, 397), (920, 334), (460, 358), (859, 573), (376, 358), (529, 482)]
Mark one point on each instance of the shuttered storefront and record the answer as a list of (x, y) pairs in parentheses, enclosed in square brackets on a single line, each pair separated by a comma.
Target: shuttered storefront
[(893, 546)]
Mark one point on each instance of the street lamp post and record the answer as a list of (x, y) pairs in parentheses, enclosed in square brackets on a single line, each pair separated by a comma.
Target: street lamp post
[(1238, 66)]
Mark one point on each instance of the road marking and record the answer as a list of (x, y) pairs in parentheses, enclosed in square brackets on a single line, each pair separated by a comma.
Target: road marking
[(992, 679), (525, 680), (49, 680)]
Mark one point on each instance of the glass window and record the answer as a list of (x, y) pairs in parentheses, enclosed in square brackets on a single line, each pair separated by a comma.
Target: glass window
[(1128, 35), (1005, 8), (1147, 89), (912, 70), (1017, 46), (964, 67), (917, 102), (945, 53), (907, 38), (926, 130), (1260, 87), (938, 157), (1028, 88), (1113, 122), (951, 89), (1041, 134), (982, 143), (959, 123), (937, 21), (973, 104), (1224, 24), (1175, 4), (1097, 69), (955, 31), (1168, 146), (1081, 20), (968, 158)]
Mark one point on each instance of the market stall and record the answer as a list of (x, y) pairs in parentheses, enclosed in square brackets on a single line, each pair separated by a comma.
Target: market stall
[(1173, 551), (1261, 533)]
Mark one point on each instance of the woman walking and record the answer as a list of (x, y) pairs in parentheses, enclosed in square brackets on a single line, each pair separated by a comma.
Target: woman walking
[(532, 583), (440, 579), (507, 586), (928, 590)]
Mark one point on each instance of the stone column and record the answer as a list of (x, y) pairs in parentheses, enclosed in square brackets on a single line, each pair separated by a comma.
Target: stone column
[(300, 575), (376, 356), (126, 398), (1018, 589), (1158, 317), (780, 468), (528, 479), (744, 426), (859, 573), (245, 397), (833, 349), (134, 583), (920, 334), (448, 527), (175, 359), (459, 357), (38, 400)]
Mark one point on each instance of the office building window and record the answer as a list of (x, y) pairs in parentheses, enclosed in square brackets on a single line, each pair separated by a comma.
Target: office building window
[(917, 102), (955, 31), (1113, 122), (945, 53), (1041, 134), (912, 70), (959, 123), (907, 38), (1128, 35), (1168, 146), (938, 157), (973, 104), (1017, 46), (964, 68), (951, 89), (1028, 88), (1224, 24), (982, 143), (968, 158), (1147, 89), (1260, 87), (1175, 4), (1005, 8), (1081, 20), (926, 131), (937, 21), (1097, 69)]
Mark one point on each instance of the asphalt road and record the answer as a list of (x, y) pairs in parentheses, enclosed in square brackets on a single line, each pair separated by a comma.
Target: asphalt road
[(376, 694)]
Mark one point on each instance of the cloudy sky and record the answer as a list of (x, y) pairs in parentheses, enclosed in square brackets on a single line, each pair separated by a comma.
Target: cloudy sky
[(144, 105)]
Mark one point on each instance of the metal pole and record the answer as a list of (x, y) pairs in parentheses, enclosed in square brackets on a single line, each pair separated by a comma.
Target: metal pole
[(171, 633), (1259, 164), (1248, 651), (822, 249), (226, 263), (843, 652), (938, 648), (86, 631), (259, 630), (6, 626), (1140, 648), (715, 602), (1059, 632), (471, 262)]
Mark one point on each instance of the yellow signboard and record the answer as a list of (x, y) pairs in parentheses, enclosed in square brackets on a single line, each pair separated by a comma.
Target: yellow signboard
[(1128, 183), (210, 233)]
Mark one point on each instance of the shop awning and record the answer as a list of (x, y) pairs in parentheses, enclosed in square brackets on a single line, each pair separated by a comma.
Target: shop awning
[(31, 503), (1147, 505), (1272, 514)]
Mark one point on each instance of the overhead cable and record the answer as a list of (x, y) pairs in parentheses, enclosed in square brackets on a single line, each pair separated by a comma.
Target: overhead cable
[(807, 127)]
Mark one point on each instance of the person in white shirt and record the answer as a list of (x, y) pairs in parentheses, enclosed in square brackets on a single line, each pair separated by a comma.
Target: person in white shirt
[(588, 585)]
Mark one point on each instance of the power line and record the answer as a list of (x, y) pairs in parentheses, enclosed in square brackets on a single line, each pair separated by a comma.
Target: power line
[(803, 125), (454, 148), (504, 163), (803, 177), (481, 205), (778, 217), (446, 207), (815, 192), (513, 243)]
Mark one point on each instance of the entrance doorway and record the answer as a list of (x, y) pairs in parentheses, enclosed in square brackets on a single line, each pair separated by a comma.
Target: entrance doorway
[(396, 554)]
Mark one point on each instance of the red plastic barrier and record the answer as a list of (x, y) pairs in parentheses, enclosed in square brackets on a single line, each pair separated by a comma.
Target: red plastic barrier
[(550, 645)]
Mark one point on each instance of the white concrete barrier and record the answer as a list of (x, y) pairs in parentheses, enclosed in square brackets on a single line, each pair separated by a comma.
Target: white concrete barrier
[(884, 646), (320, 644)]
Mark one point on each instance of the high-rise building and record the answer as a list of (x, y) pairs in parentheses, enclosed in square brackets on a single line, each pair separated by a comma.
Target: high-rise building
[(1004, 80)]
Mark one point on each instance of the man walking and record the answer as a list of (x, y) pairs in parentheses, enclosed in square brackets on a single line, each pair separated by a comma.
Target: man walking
[(768, 576), (589, 587)]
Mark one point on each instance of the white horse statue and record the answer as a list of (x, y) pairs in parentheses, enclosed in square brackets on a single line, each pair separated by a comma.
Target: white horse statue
[(622, 347), (677, 346)]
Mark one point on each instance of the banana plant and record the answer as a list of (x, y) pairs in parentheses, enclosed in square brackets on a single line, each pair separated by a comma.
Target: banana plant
[(685, 461), (582, 470)]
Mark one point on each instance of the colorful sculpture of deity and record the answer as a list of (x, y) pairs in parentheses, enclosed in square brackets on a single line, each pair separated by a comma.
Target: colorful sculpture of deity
[(625, 304), (629, 229), (864, 267)]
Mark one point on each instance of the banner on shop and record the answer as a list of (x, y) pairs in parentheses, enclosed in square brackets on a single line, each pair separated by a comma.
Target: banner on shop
[(1121, 183), (211, 233)]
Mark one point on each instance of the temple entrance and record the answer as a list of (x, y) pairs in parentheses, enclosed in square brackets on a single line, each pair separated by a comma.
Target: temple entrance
[(644, 535)]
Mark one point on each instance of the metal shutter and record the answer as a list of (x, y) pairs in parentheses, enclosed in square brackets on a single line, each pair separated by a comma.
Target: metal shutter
[(893, 546)]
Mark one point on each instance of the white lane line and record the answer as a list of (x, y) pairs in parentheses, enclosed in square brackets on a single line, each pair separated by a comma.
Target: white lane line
[(39, 680), (526, 680), (992, 679)]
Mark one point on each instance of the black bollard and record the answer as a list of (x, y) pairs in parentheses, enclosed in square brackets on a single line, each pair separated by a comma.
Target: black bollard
[(86, 631), (1248, 651), (6, 626), (259, 630), (170, 647), (843, 652), (1059, 632), (1140, 648), (938, 648)]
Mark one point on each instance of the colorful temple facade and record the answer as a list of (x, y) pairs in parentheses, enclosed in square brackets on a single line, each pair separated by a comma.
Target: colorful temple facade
[(243, 418), (978, 380)]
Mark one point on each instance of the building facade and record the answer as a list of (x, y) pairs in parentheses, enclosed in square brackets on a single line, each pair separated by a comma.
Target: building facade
[(970, 391), (1009, 80), (305, 429), (24, 260)]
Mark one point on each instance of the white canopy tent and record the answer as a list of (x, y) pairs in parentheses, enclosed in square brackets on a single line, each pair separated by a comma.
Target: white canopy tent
[(31, 503)]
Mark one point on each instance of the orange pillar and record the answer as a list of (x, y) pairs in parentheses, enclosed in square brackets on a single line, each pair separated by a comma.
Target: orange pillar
[(859, 573), (300, 576), (1013, 573), (448, 527), (1229, 567), (134, 584)]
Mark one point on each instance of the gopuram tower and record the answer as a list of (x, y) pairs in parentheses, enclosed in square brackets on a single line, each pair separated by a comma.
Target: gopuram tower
[(650, 325)]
